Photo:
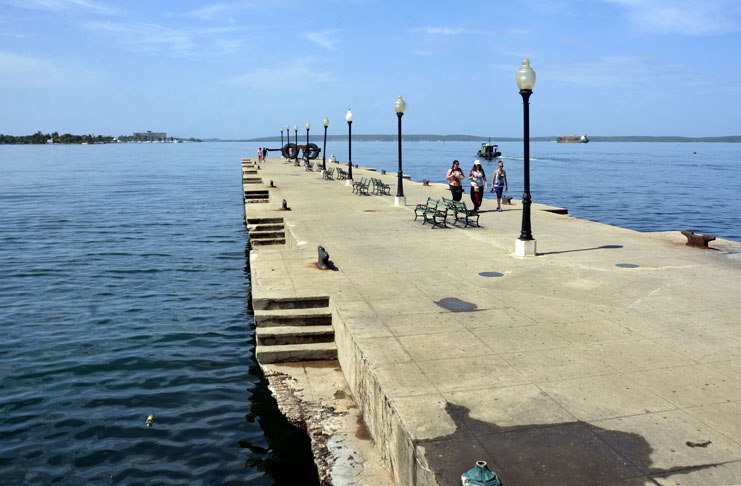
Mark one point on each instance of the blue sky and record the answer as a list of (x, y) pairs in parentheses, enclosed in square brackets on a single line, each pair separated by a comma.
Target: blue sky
[(243, 69)]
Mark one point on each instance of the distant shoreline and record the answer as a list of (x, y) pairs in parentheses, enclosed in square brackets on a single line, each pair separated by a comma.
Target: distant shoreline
[(472, 138)]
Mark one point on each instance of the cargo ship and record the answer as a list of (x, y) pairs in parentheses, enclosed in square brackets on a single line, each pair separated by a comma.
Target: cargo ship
[(573, 138)]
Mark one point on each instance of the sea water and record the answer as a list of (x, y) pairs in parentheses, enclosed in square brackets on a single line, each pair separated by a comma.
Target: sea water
[(124, 283), (123, 295)]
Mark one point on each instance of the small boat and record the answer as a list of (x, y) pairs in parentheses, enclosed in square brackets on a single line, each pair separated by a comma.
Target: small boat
[(488, 151), (573, 138)]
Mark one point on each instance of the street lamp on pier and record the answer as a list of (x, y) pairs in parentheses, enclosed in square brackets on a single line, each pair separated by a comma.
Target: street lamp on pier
[(306, 150), (324, 149), (295, 129), (348, 118), (400, 200), (525, 244), (288, 140), (281, 137)]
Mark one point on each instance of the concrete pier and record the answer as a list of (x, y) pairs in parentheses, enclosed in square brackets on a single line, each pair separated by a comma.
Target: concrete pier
[(611, 357)]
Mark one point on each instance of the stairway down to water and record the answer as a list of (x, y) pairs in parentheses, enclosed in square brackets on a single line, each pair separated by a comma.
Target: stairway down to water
[(266, 231), (294, 329)]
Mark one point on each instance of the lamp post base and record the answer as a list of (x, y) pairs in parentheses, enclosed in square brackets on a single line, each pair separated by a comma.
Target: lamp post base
[(348, 182), (400, 201), (525, 248)]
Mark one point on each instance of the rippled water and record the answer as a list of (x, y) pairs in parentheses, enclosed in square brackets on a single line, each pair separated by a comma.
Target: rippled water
[(641, 186), (123, 295)]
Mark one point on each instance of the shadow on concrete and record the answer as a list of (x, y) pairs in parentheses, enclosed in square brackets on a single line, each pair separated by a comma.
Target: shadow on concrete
[(568, 453), (603, 247)]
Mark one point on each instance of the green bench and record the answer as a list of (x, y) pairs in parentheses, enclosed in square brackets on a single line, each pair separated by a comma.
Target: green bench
[(328, 174), (470, 217), (380, 187), (434, 211), (361, 186)]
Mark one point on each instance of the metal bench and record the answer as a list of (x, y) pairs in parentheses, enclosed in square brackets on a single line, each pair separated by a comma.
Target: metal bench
[(470, 217), (421, 208), (380, 187), (437, 215), (361, 186)]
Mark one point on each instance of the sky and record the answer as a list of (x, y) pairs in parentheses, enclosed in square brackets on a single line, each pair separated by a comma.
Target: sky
[(237, 69)]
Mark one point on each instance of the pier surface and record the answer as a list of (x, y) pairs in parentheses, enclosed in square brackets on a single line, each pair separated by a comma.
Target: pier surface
[(612, 357)]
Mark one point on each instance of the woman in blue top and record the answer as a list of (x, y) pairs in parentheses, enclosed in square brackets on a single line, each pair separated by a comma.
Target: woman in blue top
[(499, 182)]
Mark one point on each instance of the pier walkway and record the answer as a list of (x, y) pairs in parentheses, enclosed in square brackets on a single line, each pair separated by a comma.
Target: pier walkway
[(612, 357)]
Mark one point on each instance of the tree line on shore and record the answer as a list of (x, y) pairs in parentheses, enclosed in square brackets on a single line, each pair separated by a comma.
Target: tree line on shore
[(42, 138)]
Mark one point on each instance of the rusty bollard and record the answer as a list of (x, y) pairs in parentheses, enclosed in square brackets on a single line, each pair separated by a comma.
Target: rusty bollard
[(425, 182), (285, 207), (697, 241), (271, 184)]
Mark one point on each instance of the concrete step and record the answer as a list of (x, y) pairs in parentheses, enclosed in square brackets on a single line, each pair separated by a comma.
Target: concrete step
[(251, 221), (268, 242), (257, 194), (302, 302), (261, 235), (267, 227), (279, 335), (320, 316), (295, 352)]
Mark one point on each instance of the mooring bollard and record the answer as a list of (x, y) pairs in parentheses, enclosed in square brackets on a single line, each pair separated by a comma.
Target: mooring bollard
[(383, 171), (323, 261), (285, 207), (271, 184), (425, 182), (480, 475), (697, 241)]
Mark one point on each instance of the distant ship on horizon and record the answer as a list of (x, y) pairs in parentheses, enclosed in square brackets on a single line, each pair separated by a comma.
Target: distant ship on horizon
[(573, 138)]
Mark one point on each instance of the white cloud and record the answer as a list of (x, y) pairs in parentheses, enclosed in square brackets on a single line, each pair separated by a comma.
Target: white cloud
[(149, 37), (323, 39), (220, 10), (156, 39), (63, 5), (686, 17), (282, 77), (37, 72)]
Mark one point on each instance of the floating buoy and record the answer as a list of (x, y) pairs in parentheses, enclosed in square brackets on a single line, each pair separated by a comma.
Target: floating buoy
[(150, 420)]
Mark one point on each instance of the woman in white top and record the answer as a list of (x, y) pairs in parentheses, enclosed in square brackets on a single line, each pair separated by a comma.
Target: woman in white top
[(478, 184)]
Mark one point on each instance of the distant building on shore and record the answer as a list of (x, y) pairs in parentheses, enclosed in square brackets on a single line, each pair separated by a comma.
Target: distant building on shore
[(150, 136)]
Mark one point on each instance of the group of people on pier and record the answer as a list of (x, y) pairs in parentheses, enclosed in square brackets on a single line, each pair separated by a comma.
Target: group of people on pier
[(479, 184)]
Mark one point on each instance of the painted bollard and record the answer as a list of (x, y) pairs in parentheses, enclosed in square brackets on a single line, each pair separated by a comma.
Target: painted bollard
[(480, 475)]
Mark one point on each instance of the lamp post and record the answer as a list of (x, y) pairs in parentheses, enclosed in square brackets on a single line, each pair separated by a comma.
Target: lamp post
[(525, 244), (288, 140), (348, 118), (306, 150), (400, 200), (281, 137), (295, 129), (324, 149)]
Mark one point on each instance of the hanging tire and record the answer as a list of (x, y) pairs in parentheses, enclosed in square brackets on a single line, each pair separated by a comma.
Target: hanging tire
[(312, 150), (289, 151)]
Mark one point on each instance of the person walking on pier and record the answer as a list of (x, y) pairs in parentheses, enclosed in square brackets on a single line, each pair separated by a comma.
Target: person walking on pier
[(498, 183), (477, 176), (455, 178), (259, 154)]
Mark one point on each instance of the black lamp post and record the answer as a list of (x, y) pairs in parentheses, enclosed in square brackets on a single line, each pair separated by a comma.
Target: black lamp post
[(306, 150), (526, 81), (348, 117), (400, 106), (281, 137), (295, 129), (324, 149)]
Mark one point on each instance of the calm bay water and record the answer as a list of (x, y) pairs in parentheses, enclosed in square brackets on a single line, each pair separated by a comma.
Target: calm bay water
[(123, 294)]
